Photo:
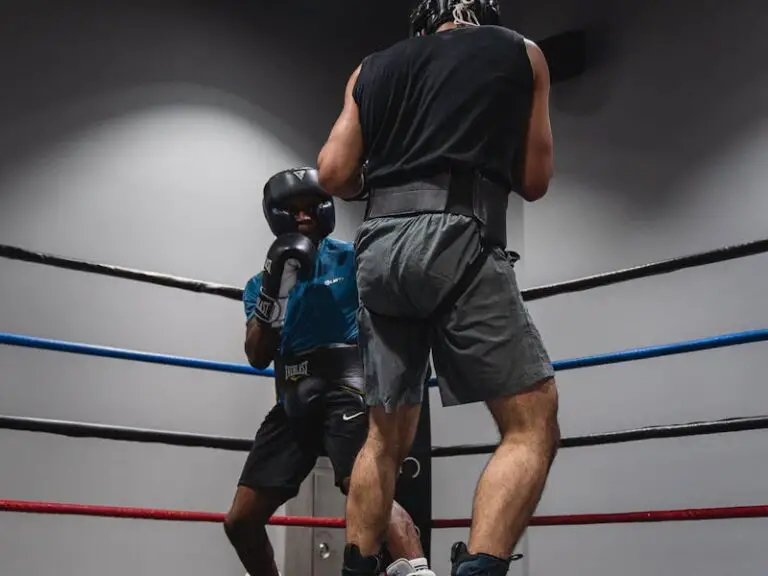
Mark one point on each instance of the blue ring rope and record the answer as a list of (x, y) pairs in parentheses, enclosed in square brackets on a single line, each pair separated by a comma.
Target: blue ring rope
[(721, 341), (122, 354), (709, 343)]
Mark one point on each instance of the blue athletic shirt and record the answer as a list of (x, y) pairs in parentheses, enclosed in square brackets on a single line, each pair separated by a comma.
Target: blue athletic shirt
[(322, 310)]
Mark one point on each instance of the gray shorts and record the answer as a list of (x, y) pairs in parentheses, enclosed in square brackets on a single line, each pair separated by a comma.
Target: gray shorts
[(486, 346)]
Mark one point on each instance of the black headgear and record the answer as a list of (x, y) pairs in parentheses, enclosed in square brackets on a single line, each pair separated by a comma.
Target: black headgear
[(428, 15), (288, 184)]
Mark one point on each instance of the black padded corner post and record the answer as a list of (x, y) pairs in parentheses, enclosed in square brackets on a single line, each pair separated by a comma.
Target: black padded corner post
[(414, 485)]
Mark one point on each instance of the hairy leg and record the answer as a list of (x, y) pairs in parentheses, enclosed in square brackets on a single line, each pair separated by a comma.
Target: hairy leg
[(372, 490), (245, 526), (403, 539), (513, 480)]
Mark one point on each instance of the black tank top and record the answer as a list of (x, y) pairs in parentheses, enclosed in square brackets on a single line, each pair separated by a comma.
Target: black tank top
[(456, 98)]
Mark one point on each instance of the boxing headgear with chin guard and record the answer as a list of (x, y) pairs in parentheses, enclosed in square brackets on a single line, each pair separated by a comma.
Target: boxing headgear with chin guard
[(428, 15), (281, 188)]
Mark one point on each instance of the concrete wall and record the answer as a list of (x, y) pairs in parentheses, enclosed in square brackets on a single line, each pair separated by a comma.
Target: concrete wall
[(140, 134), (661, 151)]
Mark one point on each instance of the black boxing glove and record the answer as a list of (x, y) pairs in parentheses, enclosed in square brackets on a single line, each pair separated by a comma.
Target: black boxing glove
[(290, 258)]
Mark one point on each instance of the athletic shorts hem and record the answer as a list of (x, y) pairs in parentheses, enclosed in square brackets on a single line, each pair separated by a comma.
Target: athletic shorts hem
[(257, 485), (390, 407), (288, 488), (487, 394)]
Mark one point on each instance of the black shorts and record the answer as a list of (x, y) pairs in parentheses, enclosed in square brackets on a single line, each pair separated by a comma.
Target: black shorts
[(335, 424)]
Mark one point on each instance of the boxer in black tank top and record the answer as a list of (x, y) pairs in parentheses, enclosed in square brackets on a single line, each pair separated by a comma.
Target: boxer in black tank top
[(436, 131)]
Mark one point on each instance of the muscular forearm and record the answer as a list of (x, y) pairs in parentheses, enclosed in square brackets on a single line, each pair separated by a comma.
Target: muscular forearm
[(340, 183), (260, 344)]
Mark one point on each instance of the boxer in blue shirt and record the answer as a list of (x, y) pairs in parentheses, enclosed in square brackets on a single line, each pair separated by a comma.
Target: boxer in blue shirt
[(301, 314)]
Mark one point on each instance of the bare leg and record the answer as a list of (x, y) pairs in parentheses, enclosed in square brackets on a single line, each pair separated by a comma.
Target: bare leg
[(402, 537), (512, 483), (245, 527), (372, 490)]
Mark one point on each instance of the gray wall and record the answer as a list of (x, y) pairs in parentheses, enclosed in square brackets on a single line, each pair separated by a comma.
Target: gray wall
[(140, 134), (660, 152)]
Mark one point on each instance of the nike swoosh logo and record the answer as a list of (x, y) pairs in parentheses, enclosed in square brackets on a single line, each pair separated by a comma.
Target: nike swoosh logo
[(347, 417)]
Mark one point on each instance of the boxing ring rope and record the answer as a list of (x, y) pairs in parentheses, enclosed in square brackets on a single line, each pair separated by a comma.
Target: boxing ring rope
[(56, 508), (123, 354), (185, 439), (188, 284), (701, 428), (81, 429), (723, 254), (708, 343)]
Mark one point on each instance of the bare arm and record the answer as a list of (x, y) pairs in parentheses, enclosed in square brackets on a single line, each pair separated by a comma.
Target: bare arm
[(260, 344), (539, 156), (340, 159)]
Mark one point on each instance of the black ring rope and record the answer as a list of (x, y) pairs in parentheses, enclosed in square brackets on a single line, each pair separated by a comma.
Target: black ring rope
[(643, 271), (143, 435), (16, 253), (127, 434), (646, 270), (79, 429), (646, 433)]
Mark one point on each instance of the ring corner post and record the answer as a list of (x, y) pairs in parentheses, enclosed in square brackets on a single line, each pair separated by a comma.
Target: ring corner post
[(414, 484)]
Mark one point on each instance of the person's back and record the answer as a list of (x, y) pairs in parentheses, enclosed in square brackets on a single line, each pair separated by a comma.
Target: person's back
[(461, 98), (439, 113), (449, 123)]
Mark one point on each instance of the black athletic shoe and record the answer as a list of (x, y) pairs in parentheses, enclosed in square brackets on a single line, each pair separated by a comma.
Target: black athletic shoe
[(465, 564), (355, 564)]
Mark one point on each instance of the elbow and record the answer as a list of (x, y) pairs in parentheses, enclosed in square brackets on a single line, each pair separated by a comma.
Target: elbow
[(327, 171), (338, 178), (258, 362), (332, 179), (535, 191), (328, 179), (256, 355), (537, 179), (258, 359)]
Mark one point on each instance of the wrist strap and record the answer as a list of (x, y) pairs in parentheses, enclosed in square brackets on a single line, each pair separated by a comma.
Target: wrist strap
[(269, 311)]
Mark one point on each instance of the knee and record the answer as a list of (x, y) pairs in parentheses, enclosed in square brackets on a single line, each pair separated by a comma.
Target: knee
[(385, 447), (545, 419), (531, 417), (554, 439), (399, 517), (390, 436), (544, 409), (237, 526), (402, 537), (243, 524), (552, 420)]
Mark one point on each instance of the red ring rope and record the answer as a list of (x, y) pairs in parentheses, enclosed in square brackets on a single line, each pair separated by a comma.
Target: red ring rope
[(629, 517), (34, 507)]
